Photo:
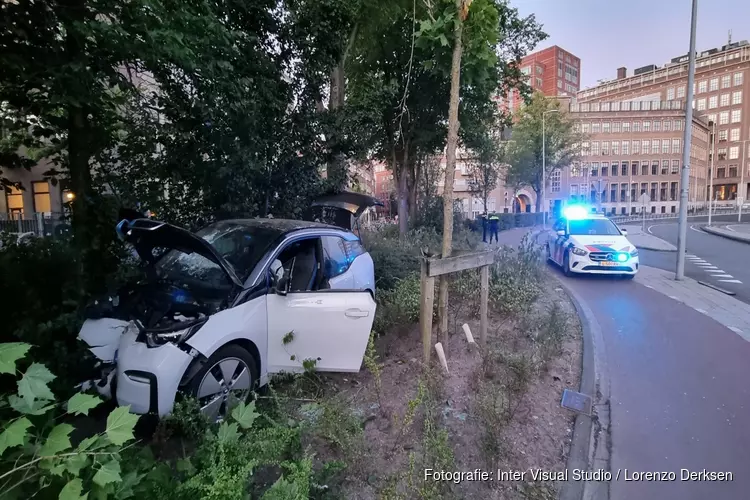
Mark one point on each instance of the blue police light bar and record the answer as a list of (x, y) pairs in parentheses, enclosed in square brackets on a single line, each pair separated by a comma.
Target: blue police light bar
[(576, 212)]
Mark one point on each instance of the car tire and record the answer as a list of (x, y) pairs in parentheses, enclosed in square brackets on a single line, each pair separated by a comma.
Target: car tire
[(210, 389), (566, 264)]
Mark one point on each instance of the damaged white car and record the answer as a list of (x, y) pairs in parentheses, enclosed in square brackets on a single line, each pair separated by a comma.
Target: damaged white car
[(222, 309)]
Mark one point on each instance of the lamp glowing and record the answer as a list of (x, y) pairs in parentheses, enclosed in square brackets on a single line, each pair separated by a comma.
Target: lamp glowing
[(622, 257), (576, 212), (69, 196)]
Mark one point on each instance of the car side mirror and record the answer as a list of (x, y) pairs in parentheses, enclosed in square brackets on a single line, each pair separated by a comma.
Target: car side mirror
[(281, 287), (624, 232), (561, 232)]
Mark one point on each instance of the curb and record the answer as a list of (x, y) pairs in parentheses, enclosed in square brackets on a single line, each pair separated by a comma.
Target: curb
[(587, 445), (725, 234), (654, 249)]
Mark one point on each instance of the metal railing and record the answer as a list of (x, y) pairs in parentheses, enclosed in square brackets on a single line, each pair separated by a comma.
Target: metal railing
[(39, 224)]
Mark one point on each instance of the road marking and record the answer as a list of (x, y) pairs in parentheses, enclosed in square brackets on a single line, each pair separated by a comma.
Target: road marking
[(702, 311), (722, 276), (730, 228), (731, 281), (675, 298), (649, 228), (697, 230), (735, 329)]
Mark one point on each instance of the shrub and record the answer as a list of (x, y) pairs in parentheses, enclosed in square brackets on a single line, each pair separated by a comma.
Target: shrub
[(515, 278), (399, 306)]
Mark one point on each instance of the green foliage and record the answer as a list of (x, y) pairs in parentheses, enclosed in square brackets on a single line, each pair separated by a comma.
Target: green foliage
[(399, 306), (562, 143), (37, 453), (515, 278)]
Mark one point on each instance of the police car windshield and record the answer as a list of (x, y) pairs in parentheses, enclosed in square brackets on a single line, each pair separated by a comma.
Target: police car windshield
[(593, 227)]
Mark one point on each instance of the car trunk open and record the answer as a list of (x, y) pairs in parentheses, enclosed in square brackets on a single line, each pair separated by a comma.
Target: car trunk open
[(341, 209)]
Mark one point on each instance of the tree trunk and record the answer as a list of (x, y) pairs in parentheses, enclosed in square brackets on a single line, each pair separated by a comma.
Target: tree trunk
[(403, 192), (450, 167)]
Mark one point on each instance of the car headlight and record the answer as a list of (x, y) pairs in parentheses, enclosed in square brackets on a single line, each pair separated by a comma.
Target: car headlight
[(579, 251), (622, 257), (158, 339), (634, 253)]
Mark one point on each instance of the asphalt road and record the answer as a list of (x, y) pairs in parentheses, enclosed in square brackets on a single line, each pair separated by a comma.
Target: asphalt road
[(679, 391), (708, 256)]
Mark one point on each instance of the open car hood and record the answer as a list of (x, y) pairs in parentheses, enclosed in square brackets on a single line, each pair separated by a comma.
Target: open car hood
[(147, 234)]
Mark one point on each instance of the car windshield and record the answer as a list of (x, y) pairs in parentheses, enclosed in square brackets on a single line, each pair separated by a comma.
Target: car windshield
[(241, 245), (593, 227)]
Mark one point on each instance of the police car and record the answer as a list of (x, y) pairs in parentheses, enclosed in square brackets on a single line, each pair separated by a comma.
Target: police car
[(588, 243)]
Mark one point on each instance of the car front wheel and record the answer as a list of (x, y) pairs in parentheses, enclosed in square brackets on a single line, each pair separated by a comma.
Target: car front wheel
[(226, 379)]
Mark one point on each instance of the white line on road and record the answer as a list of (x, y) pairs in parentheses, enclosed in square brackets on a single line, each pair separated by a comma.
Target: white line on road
[(712, 269), (675, 298), (731, 281), (649, 228), (702, 311), (694, 229), (722, 276), (730, 228), (735, 329)]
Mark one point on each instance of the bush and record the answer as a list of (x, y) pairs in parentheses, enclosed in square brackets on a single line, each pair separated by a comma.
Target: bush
[(399, 306), (515, 278)]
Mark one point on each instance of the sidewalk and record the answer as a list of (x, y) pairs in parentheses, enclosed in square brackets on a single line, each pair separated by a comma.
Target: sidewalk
[(647, 241), (731, 234), (724, 309), (512, 237)]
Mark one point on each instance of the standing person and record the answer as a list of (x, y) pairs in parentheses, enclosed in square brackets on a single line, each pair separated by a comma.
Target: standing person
[(494, 223)]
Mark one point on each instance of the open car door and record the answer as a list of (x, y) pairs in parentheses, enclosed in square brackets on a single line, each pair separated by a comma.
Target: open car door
[(329, 327), (341, 209)]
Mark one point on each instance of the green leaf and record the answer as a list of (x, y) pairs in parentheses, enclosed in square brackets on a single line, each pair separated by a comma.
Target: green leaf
[(10, 352), (76, 462), (57, 441), (80, 403), (87, 443), (185, 465), (120, 424), (228, 433), (33, 385), (245, 414), (108, 473), (34, 407), (73, 491), (129, 481), (15, 434), (443, 40)]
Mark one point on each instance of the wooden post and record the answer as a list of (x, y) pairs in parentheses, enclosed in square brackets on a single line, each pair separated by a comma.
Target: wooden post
[(425, 311), (484, 273)]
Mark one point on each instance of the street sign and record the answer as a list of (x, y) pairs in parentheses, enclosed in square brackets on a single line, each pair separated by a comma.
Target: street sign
[(645, 199)]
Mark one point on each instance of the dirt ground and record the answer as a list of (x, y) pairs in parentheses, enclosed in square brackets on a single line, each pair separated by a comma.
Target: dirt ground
[(535, 435)]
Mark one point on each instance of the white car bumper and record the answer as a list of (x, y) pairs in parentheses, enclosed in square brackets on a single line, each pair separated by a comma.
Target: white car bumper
[(584, 264), (148, 377)]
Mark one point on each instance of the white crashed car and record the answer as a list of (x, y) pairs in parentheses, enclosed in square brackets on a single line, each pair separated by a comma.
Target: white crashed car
[(223, 308), (584, 243)]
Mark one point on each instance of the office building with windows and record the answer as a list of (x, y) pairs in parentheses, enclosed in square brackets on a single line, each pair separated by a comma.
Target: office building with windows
[(632, 148), (722, 85)]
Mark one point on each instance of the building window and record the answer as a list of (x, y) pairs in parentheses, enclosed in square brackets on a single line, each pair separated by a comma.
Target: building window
[(736, 115), (626, 147), (670, 94), (732, 170), (605, 148), (636, 126), (735, 135), (555, 178), (615, 147), (737, 97), (613, 193), (605, 169), (559, 84), (644, 167), (585, 149), (14, 200), (595, 169), (678, 125), (615, 127), (714, 84), (667, 125), (675, 166), (664, 167), (655, 167), (539, 70), (701, 104), (680, 92), (663, 193), (636, 147), (596, 127), (654, 188), (723, 117), (721, 173), (665, 146), (738, 79), (722, 135), (646, 126), (606, 127), (539, 82), (626, 126), (672, 192), (713, 102), (646, 147), (634, 168), (702, 86), (644, 187), (734, 152), (586, 127), (615, 170), (724, 100), (526, 70), (42, 202), (624, 169), (722, 154), (726, 81), (675, 146), (595, 148)]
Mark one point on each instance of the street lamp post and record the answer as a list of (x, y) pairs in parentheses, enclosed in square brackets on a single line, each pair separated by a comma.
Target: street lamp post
[(544, 168), (685, 177), (711, 172), (742, 196)]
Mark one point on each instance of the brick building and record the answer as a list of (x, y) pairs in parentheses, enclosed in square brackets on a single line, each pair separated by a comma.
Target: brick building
[(722, 84), (629, 152)]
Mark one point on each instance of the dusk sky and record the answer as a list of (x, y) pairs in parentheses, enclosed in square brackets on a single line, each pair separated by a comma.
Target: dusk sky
[(607, 34)]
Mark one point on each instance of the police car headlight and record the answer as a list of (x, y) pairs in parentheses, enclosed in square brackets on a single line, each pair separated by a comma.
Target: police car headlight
[(579, 251)]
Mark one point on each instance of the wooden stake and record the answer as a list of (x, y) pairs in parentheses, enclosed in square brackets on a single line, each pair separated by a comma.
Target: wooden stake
[(484, 272), (425, 312)]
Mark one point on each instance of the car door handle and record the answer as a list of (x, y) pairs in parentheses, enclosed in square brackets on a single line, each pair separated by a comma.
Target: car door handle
[(357, 313)]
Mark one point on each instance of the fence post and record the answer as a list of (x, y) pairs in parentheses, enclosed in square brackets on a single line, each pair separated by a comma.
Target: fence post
[(425, 311), (20, 224), (484, 273), (40, 224)]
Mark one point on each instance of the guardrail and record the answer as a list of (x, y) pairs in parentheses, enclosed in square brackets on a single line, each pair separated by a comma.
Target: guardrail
[(699, 213)]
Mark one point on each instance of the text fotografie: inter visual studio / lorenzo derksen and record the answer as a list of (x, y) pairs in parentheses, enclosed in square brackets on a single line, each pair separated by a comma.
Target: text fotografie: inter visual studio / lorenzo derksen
[(575, 475)]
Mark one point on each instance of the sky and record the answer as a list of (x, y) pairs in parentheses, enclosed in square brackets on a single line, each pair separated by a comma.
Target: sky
[(608, 34)]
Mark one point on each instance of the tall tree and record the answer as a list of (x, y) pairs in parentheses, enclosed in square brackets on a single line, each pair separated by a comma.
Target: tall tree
[(561, 143)]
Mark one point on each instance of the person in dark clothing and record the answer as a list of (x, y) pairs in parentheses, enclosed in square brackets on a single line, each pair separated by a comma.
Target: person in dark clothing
[(494, 223)]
